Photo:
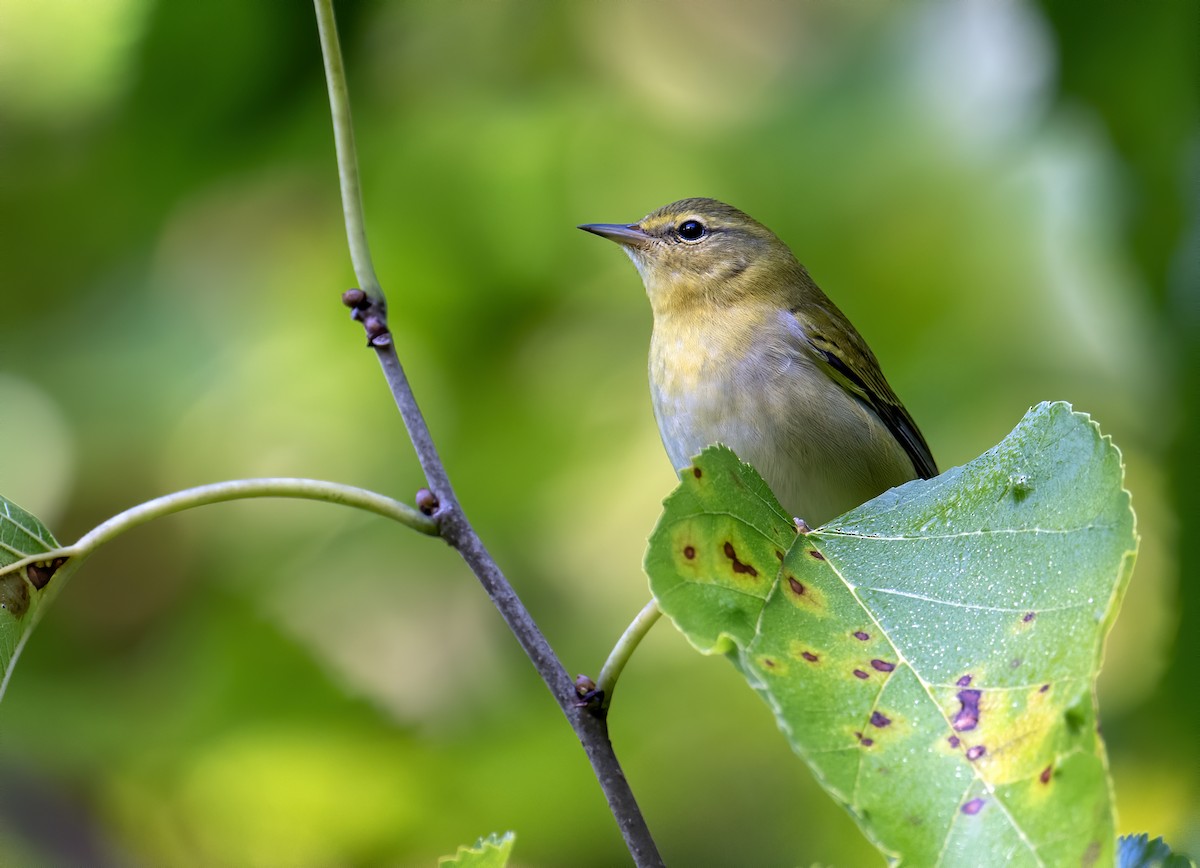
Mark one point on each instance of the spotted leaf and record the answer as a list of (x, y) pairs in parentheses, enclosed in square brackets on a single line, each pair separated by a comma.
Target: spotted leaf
[(932, 654), (26, 583)]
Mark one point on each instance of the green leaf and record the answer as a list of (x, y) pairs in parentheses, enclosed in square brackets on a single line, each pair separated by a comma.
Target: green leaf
[(1138, 851), (490, 852), (26, 584), (933, 653)]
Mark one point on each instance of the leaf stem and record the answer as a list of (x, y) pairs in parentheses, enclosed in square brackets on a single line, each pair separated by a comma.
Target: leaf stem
[(242, 489), (623, 650), (219, 492)]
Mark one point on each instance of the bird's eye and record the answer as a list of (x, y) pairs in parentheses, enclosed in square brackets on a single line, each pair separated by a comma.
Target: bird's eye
[(691, 230)]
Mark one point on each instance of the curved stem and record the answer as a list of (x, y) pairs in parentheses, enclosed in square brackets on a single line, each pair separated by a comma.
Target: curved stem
[(621, 652), (224, 492), (49, 561), (242, 489)]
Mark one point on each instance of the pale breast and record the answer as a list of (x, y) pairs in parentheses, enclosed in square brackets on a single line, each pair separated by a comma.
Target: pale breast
[(821, 450)]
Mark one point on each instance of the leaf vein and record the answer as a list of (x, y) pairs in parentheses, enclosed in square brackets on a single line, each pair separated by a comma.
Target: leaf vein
[(957, 605)]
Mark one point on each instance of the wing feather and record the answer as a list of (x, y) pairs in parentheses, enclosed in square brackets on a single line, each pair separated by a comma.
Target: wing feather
[(863, 380)]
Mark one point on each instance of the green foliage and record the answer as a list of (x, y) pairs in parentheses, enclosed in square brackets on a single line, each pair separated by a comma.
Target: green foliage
[(170, 317), (932, 654), (1138, 851), (490, 852)]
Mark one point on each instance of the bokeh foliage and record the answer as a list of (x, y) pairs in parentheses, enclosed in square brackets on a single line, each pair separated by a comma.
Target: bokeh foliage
[(1002, 209)]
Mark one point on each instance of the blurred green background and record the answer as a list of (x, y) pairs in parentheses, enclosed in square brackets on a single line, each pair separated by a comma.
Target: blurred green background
[(1002, 196)]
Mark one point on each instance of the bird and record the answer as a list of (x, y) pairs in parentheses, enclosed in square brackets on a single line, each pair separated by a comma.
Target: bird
[(746, 350)]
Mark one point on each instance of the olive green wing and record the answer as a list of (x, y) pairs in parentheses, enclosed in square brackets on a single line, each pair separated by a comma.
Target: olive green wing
[(848, 361)]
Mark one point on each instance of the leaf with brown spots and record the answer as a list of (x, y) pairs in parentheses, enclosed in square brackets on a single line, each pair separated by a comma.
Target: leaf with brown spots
[(891, 635), (25, 586)]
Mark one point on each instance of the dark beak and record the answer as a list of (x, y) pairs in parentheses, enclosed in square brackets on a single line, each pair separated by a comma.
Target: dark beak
[(627, 235)]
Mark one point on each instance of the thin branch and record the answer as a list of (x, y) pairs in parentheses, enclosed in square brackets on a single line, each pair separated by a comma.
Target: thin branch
[(43, 566), (606, 681), (242, 489), (343, 134), (455, 529), (224, 492)]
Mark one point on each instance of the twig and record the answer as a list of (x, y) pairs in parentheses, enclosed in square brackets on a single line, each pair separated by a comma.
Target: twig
[(42, 566), (455, 529), (224, 492), (343, 136), (241, 489)]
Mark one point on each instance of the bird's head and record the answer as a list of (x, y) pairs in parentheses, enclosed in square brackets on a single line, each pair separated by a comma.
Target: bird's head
[(703, 252)]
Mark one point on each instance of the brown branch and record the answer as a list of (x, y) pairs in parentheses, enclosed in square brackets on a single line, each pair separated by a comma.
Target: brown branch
[(369, 308)]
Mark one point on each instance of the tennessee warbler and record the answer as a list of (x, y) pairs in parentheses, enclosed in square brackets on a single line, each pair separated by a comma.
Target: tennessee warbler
[(747, 351)]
